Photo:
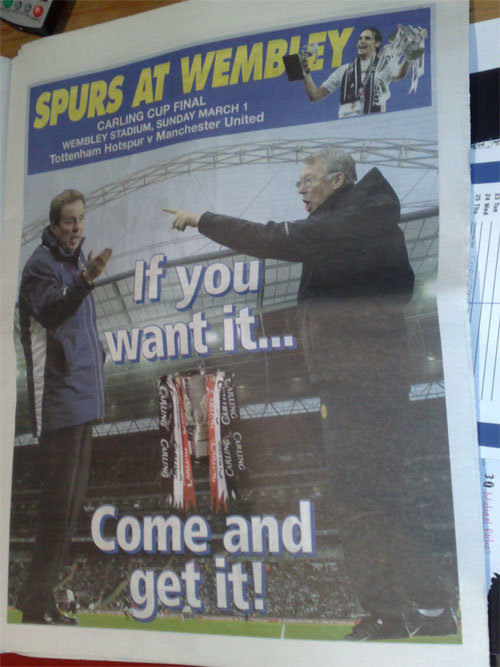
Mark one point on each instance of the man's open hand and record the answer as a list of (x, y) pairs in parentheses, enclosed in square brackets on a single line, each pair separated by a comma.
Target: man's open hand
[(96, 265), (183, 219)]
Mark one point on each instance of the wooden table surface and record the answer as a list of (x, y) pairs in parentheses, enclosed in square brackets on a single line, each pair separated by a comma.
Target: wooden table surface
[(84, 13)]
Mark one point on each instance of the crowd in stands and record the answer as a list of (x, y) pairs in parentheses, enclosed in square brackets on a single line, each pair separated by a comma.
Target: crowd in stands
[(301, 588), (285, 467)]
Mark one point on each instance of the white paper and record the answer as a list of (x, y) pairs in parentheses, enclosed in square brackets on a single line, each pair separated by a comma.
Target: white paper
[(435, 136)]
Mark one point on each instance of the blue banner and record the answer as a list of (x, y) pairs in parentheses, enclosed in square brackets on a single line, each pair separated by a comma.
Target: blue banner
[(226, 87), (488, 434), (485, 172)]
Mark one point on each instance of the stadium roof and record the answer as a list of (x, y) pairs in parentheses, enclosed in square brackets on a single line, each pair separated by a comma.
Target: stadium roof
[(264, 378)]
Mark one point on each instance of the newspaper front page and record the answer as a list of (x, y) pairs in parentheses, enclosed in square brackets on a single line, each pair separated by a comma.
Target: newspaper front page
[(235, 266), (484, 286)]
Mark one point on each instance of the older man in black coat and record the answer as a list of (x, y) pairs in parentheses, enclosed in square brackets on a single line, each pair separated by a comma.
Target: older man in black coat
[(356, 282)]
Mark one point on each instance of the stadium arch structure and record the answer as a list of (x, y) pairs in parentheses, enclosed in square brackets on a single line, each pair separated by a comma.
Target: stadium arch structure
[(114, 293)]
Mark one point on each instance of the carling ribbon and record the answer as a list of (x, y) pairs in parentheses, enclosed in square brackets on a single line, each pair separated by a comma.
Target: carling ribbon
[(232, 442), (176, 473), (166, 400), (218, 487), (187, 471), (192, 413)]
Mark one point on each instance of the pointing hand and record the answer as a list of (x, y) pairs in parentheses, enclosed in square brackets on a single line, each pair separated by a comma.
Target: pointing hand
[(183, 219)]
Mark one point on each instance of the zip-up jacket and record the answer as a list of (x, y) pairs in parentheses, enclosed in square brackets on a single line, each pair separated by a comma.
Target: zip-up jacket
[(64, 356), (356, 277)]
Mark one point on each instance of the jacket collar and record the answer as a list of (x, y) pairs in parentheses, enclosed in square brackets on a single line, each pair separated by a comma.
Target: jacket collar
[(333, 200), (50, 242), (373, 181)]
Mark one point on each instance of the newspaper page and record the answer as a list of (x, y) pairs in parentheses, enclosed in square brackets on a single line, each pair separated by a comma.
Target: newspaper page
[(5, 66), (242, 422), (484, 288)]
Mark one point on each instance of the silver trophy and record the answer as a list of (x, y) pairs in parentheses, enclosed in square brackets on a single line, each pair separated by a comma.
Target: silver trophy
[(307, 51), (406, 41), (196, 411)]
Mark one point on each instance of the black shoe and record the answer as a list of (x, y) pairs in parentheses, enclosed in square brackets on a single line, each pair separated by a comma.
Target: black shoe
[(369, 628), (50, 618), (410, 624), (419, 625)]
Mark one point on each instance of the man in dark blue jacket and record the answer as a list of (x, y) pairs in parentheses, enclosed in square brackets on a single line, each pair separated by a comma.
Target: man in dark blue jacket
[(356, 281), (64, 362)]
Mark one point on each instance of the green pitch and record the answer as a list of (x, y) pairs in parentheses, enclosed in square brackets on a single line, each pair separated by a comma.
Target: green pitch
[(327, 632)]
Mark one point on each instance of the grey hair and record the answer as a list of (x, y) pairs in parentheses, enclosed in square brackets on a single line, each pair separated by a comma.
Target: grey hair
[(335, 160), (60, 200)]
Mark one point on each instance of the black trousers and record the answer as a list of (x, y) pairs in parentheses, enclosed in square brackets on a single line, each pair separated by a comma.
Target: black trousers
[(64, 468), (367, 432)]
